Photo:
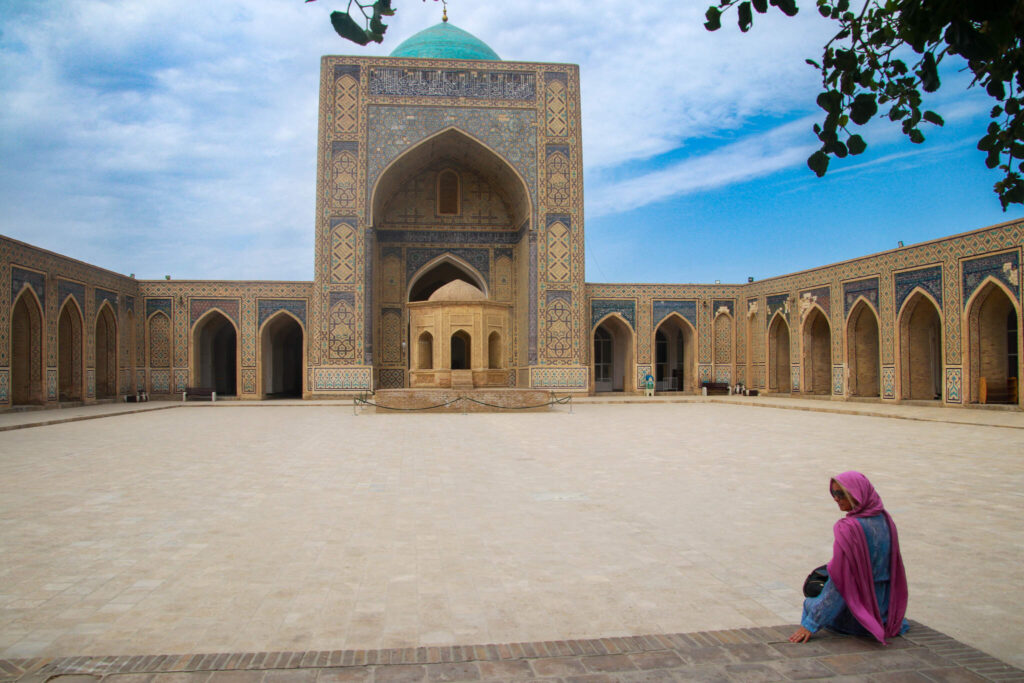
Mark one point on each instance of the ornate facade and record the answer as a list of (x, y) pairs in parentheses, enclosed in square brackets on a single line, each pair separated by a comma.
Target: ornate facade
[(432, 169)]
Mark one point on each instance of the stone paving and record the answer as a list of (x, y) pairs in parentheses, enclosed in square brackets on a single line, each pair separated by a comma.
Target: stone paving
[(297, 528)]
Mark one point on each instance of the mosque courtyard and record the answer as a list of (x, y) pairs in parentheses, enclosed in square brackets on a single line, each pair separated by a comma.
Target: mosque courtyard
[(238, 527)]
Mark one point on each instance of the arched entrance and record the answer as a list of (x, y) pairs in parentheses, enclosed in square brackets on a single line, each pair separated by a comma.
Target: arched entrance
[(778, 356), (425, 352), (862, 346), (439, 272), (494, 351), (69, 352), (992, 346), (461, 351), (817, 360), (281, 344), (674, 359), (613, 355), (105, 339), (920, 327), (26, 350), (215, 354)]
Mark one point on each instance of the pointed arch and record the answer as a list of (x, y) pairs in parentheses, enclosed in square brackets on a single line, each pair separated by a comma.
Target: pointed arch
[(26, 352), (105, 344), (816, 341), (779, 378), (613, 359), (282, 354), (70, 351), (461, 348), (474, 151), (443, 269), (214, 353), (494, 354), (992, 354), (675, 360), (424, 352), (920, 346), (158, 344), (863, 356)]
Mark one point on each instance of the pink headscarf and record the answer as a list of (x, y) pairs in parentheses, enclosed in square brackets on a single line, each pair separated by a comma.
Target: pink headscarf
[(850, 567)]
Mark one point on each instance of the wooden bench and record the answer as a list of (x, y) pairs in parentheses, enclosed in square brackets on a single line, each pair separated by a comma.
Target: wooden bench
[(198, 392), (719, 388)]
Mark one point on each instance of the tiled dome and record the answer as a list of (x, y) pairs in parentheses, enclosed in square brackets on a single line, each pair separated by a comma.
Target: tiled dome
[(444, 41)]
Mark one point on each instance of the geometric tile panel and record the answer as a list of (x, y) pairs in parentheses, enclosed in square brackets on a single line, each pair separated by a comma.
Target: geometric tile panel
[(21, 277), (391, 378), (820, 296), (160, 381), (4, 385), (559, 378), (687, 309), (90, 382), (795, 379), (889, 382), (773, 303), (248, 380), (64, 288), (723, 374), (867, 288), (51, 384), (641, 372), (704, 373), (599, 308), (342, 379), (197, 307), (837, 380), (163, 305), (954, 385), (268, 307), (180, 380)]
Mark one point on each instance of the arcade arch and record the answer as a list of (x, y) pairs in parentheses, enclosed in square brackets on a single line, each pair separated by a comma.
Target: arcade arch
[(69, 351), (461, 347), (817, 353), (993, 345), (675, 367), (105, 347), (920, 339), (26, 350), (778, 356), (862, 351), (281, 345), (215, 354), (612, 359)]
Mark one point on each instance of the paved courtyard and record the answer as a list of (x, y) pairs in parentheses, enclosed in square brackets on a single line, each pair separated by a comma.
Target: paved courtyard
[(255, 528)]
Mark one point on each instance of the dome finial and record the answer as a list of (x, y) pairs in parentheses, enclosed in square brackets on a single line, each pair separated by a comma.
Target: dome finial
[(444, 11)]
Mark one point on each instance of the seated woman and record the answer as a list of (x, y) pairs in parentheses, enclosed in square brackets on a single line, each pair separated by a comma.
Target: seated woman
[(866, 593)]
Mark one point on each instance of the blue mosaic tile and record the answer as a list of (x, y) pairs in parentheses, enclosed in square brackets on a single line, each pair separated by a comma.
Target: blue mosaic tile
[(470, 84), (1003, 267), (37, 281), (867, 288), (928, 279), (599, 308), (773, 304), (66, 288), (686, 308), (416, 257), (154, 305), (102, 295), (268, 307), (728, 304)]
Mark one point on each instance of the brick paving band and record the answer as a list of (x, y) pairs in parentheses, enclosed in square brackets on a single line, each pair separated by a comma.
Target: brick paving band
[(754, 654)]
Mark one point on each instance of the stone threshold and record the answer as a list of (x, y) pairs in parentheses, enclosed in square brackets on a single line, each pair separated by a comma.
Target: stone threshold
[(748, 654)]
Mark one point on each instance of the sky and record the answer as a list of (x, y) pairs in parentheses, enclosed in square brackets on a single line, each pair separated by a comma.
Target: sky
[(178, 137)]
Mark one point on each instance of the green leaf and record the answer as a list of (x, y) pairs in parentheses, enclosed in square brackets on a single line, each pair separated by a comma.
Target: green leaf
[(996, 89), (744, 17), (856, 144), (813, 63), (383, 7), (788, 7), (761, 6), (830, 101), (818, 162), (992, 160), (932, 117), (714, 19), (929, 73), (348, 29), (863, 108), (916, 136), (1012, 107)]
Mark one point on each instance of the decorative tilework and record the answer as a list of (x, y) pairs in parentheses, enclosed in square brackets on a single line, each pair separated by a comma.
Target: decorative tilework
[(180, 380), (102, 295), (599, 308), (532, 300), (268, 307), (954, 385), (557, 104), (774, 304), (51, 384), (90, 382), (346, 100), (723, 374), (248, 380), (722, 306), (21, 277), (559, 378), (341, 326), (837, 380), (928, 279), (140, 380), (343, 251), (391, 378), (342, 379), (661, 308), (465, 83), (5, 385), (642, 371), (558, 173), (159, 340), (160, 381), (391, 335), (416, 258), (558, 326), (559, 255), (889, 382), (723, 337), (820, 296), (795, 378), (450, 236), (199, 307), (703, 373), (163, 305), (867, 288), (75, 289), (1004, 267)]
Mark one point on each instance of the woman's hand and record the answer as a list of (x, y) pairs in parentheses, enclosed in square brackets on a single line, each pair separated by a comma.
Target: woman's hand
[(801, 635)]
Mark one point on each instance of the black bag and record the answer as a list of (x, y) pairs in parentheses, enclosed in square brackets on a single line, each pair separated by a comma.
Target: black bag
[(816, 582)]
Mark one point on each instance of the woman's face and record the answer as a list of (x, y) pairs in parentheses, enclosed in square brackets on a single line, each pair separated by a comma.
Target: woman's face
[(840, 495)]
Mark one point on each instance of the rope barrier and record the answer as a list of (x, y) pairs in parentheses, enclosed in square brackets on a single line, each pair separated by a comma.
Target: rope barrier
[(362, 401)]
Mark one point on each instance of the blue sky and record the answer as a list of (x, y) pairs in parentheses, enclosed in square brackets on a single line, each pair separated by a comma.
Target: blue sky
[(179, 137)]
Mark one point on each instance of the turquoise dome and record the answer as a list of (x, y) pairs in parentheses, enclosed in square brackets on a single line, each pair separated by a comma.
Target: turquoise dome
[(444, 41)]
